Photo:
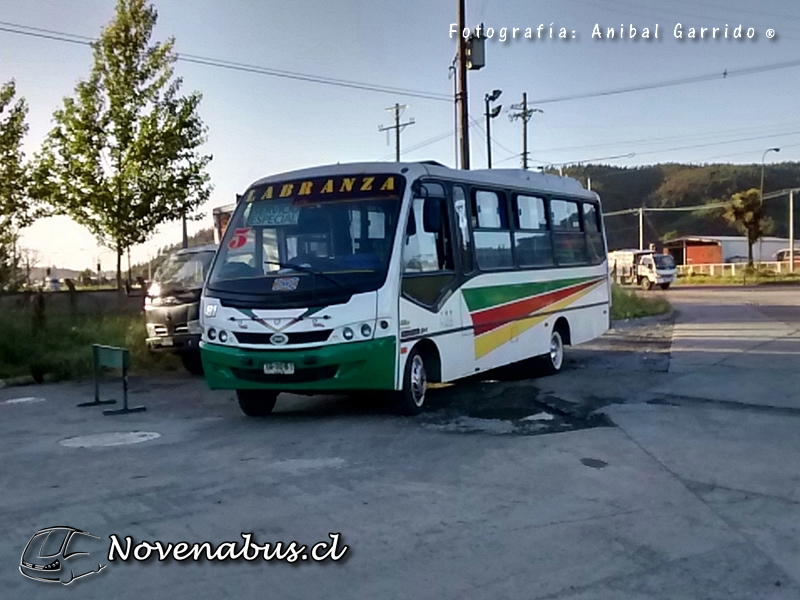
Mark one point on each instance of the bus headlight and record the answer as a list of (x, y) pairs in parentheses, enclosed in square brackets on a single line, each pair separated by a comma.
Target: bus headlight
[(347, 333), (212, 333), (223, 336), (366, 330)]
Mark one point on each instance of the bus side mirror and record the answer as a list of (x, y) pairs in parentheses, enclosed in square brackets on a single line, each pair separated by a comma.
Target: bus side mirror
[(431, 215)]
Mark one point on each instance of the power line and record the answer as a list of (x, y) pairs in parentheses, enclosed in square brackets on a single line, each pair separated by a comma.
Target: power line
[(206, 61), (728, 73), (424, 143), (644, 209), (748, 139), (684, 136), (232, 65)]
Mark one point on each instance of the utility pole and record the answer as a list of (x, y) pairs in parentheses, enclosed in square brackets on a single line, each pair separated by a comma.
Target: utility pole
[(453, 73), (791, 231), (641, 228), (185, 237), (398, 126), (462, 86), (525, 114)]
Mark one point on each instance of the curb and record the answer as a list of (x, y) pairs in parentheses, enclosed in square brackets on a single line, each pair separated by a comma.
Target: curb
[(17, 381), (651, 319)]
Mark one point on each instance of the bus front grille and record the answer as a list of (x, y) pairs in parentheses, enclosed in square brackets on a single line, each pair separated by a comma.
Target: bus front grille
[(299, 337)]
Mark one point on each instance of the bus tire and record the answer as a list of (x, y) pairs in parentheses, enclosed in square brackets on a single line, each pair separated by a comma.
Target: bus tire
[(256, 403), (665, 286), (646, 284), (411, 399), (553, 361)]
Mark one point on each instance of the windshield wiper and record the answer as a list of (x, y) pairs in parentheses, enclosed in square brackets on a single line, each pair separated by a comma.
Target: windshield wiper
[(305, 269)]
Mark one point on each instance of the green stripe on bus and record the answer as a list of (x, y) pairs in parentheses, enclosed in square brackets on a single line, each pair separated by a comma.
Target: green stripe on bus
[(366, 365), (489, 296)]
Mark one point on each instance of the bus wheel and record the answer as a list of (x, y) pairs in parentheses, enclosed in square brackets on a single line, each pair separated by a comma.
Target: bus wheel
[(665, 286), (411, 398), (554, 360), (646, 284), (256, 403)]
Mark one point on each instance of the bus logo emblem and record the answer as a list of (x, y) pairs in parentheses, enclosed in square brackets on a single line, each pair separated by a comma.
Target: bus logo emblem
[(285, 284), (278, 339)]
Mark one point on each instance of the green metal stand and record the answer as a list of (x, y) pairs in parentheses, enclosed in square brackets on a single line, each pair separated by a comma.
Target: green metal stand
[(113, 358)]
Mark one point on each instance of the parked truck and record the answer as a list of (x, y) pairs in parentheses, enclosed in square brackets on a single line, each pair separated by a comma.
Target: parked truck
[(172, 303), (645, 268)]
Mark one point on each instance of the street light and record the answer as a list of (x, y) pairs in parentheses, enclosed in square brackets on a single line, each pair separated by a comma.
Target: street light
[(763, 156), (761, 197), (491, 114)]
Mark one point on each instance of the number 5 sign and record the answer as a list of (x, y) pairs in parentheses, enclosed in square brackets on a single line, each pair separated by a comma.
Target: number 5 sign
[(239, 238)]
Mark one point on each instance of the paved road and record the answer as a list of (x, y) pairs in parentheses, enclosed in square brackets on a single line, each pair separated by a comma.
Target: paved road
[(739, 345), (671, 492)]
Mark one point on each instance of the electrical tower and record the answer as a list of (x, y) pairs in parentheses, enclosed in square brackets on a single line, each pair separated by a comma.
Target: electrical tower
[(525, 114), (398, 127)]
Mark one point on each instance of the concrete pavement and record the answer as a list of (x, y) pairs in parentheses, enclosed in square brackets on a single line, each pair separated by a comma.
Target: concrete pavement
[(678, 496), (737, 345)]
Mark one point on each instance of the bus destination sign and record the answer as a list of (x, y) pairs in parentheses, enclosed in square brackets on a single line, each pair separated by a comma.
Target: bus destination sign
[(316, 189)]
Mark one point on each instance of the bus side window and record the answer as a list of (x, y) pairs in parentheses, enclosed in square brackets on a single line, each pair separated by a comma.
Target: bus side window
[(492, 235), (532, 243), (428, 240), (568, 236), (594, 233)]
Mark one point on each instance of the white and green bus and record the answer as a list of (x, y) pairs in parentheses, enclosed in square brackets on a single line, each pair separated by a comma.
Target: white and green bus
[(387, 276)]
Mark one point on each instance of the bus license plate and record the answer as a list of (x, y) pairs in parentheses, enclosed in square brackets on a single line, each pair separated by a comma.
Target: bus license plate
[(278, 368)]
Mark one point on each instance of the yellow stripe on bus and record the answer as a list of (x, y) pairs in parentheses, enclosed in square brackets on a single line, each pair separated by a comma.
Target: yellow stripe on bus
[(492, 340)]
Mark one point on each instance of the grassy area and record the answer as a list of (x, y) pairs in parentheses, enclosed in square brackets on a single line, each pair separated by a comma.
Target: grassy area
[(753, 277), (62, 349), (629, 304)]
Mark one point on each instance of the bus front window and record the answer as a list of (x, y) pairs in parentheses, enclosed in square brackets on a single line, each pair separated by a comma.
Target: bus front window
[(343, 242)]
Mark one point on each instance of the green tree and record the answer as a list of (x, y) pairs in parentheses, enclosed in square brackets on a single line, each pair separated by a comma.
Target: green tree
[(123, 157), (15, 205), (745, 211)]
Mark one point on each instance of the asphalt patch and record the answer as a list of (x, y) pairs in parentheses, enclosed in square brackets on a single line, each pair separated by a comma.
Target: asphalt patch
[(516, 407)]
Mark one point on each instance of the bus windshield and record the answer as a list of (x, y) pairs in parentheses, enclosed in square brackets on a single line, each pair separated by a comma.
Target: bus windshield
[(285, 244)]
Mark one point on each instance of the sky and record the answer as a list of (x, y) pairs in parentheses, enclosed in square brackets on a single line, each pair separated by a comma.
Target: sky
[(736, 97)]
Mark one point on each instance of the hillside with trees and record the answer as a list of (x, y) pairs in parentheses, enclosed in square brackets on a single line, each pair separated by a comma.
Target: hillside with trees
[(676, 185)]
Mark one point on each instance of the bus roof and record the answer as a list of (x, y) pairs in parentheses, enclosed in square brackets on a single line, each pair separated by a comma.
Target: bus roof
[(518, 178)]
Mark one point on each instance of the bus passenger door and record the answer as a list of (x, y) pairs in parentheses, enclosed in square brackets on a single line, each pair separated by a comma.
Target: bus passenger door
[(429, 271), (464, 251)]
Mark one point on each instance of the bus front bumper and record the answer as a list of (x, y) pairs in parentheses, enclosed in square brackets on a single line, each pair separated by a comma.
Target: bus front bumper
[(368, 365)]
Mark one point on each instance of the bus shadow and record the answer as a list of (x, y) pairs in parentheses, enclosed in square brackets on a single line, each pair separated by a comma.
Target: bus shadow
[(508, 401), (502, 401)]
